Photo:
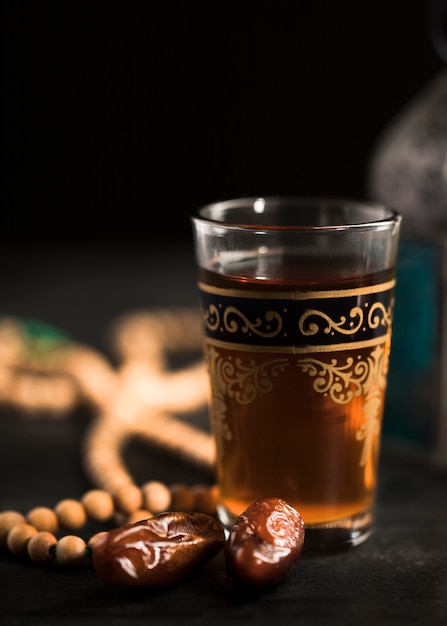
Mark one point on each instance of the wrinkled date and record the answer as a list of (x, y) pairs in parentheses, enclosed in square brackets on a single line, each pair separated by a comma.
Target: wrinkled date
[(264, 543), (159, 551)]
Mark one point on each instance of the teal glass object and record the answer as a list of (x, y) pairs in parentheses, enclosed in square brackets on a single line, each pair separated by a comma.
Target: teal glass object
[(407, 170), (411, 402)]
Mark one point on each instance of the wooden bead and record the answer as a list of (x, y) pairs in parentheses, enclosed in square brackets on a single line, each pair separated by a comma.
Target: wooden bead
[(205, 499), (92, 540), (71, 514), (156, 496), (18, 538), (71, 551), (138, 516), (98, 504), (43, 518), (39, 546), (183, 498), (8, 519), (128, 498)]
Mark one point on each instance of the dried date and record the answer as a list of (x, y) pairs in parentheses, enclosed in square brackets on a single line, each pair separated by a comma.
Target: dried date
[(264, 543), (157, 552)]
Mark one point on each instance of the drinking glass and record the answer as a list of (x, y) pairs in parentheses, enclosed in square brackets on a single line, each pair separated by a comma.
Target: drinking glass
[(296, 299)]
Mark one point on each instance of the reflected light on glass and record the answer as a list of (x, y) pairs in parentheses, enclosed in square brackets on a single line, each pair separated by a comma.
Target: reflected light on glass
[(259, 205)]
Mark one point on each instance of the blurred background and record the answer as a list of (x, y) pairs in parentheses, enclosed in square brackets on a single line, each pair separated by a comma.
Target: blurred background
[(121, 118)]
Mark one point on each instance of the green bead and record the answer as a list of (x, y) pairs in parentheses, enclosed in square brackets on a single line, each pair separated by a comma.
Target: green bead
[(41, 339), (37, 330)]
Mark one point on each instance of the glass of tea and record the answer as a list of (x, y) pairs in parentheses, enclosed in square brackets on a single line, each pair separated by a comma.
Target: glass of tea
[(296, 298)]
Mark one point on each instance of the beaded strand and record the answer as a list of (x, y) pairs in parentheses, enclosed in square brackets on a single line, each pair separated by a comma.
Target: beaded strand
[(34, 535), (141, 397)]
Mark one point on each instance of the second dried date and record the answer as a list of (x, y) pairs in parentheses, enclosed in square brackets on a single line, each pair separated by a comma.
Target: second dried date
[(264, 543)]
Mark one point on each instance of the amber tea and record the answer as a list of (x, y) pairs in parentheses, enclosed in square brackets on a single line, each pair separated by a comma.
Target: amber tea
[(298, 419)]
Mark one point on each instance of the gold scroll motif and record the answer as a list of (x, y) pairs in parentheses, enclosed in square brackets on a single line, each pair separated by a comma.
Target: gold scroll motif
[(377, 315), (238, 381), (232, 320), (354, 378)]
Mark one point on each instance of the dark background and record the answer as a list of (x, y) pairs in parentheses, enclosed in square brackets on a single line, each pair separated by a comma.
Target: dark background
[(122, 117)]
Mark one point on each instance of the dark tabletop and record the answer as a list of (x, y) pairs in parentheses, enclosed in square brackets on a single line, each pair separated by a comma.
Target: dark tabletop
[(398, 576)]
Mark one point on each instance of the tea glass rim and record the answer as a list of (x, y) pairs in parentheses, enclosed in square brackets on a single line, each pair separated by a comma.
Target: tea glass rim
[(213, 213)]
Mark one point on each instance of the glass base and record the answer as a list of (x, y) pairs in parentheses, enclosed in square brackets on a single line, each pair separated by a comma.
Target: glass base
[(342, 533)]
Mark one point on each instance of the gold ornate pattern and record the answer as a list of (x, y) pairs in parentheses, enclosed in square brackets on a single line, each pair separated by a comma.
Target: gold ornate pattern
[(356, 377), (332, 326), (377, 315), (234, 379), (380, 316), (357, 320), (232, 320), (300, 322)]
